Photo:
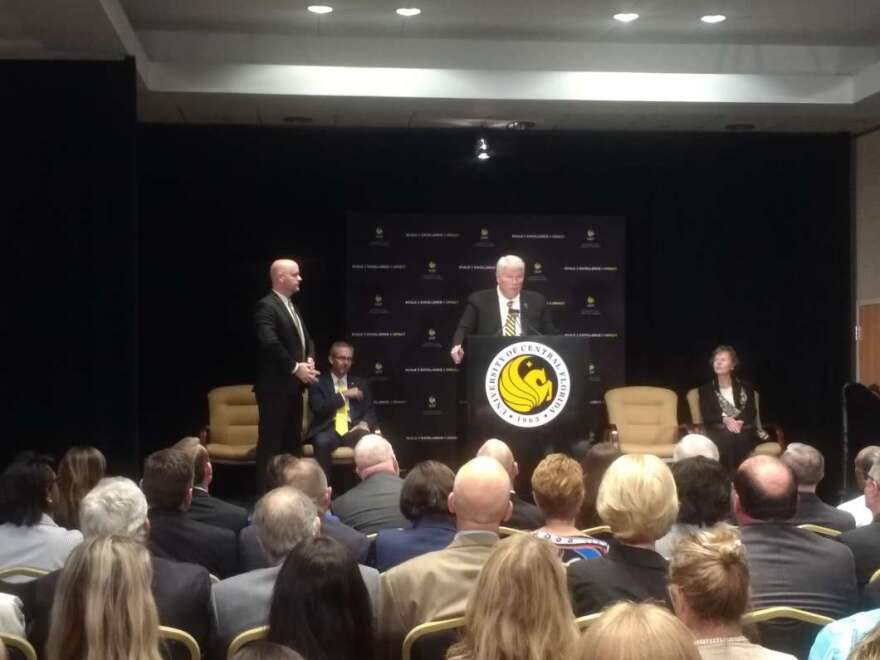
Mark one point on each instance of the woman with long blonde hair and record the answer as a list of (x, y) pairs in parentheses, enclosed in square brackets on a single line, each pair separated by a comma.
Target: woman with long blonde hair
[(103, 607), (519, 608), (79, 471)]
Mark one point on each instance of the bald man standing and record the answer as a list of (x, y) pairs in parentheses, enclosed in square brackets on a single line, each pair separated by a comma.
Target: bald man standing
[(285, 367)]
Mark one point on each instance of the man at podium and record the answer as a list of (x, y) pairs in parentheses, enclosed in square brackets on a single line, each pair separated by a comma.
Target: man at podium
[(506, 310)]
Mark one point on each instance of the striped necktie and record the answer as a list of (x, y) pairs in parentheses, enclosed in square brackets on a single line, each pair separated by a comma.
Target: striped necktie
[(510, 321)]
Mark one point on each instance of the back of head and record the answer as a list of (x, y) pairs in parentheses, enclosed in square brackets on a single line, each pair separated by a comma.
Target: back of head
[(320, 605), (25, 489), (866, 457), (279, 469), (521, 569), (806, 462), (638, 499), (558, 486), (263, 650), (80, 469), (694, 444), (307, 475), (115, 506), (709, 570), (103, 605), (703, 487), (426, 490), (372, 450), (628, 631), (497, 449), (595, 463), (766, 489), (481, 495), (283, 518), (869, 646), (198, 454), (168, 478)]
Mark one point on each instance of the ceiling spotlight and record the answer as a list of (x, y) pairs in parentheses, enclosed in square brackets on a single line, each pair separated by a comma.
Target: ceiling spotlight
[(409, 11), (320, 9), (625, 18), (520, 125), (481, 150), (713, 18)]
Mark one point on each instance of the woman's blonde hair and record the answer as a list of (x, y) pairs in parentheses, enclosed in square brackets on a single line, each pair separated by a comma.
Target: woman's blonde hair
[(103, 607), (709, 568), (79, 470), (558, 486), (637, 498), (519, 608), (629, 631)]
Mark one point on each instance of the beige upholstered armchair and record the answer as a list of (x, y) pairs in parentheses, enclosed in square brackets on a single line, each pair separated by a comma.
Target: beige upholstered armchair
[(232, 424), (644, 420)]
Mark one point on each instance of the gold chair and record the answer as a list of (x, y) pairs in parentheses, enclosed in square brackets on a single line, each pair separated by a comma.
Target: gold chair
[(643, 420), (599, 529), (784, 612), (248, 636), (22, 571), (875, 576), (372, 536), (773, 447), (583, 622), (423, 630), (20, 644), (166, 633), (232, 425), (509, 531), (819, 529)]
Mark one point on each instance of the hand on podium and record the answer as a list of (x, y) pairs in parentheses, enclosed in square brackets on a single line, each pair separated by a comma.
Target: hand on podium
[(457, 354)]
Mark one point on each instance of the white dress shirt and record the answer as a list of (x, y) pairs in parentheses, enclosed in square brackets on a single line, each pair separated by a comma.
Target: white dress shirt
[(859, 510), (502, 306)]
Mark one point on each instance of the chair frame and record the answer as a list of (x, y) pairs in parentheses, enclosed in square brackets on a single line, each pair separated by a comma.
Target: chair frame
[(785, 612), (246, 637), (598, 529), (20, 644), (822, 531), (22, 571), (875, 576), (509, 531), (182, 637), (584, 622), (426, 629)]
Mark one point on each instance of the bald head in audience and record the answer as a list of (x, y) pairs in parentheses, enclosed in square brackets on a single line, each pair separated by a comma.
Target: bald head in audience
[(307, 475), (373, 454), (495, 448), (284, 517), (694, 444), (480, 497), (764, 490)]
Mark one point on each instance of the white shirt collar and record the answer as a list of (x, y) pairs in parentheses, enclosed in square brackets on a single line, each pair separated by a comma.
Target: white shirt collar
[(503, 309)]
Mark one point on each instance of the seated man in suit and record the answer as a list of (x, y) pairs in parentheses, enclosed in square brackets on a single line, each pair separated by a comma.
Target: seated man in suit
[(168, 485), (808, 466), (341, 405), (865, 541), (283, 518), (182, 591), (525, 515), (205, 507), (436, 585), (305, 475), (866, 458), (788, 565), (374, 503)]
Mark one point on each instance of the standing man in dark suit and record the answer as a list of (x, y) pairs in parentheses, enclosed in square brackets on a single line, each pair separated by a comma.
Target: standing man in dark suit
[(505, 310), (286, 365), (342, 406)]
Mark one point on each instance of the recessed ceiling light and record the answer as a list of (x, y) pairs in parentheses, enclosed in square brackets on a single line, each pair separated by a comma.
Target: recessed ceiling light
[(409, 11), (713, 18), (320, 9), (625, 18)]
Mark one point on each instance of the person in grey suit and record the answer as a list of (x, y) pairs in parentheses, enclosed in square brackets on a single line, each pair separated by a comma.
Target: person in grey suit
[(808, 466), (788, 565), (865, 541), (283, 517), (374, 503)]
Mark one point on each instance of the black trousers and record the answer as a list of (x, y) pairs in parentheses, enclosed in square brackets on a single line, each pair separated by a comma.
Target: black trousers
[(279, 429), (325, 442)]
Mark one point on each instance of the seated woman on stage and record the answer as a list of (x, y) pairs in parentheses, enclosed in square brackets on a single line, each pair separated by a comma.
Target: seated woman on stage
[(727, 405)]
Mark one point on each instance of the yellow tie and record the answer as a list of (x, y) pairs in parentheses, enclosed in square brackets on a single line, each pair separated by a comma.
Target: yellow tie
[(510, 321), (341, 424)]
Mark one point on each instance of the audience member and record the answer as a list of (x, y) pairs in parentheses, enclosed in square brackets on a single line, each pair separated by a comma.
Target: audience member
[(868, 648), (788, 565), (808, 466), (558, 487), (320, 606), (525, 515), (636, 631), (424, 502), (703, 487), (168, 485), (865, 541), (11, 615), (436, 585), (694, 444), (263, 650), (521, 569), (205, 507), (80, 469), (182, 592), (709, 586), (374, 503), (866, 457), (594, 464), (28, 535), (103, 607), (637, 499), (837, 640)]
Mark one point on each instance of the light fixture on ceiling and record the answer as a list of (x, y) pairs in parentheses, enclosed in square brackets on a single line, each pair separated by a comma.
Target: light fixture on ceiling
[(713, 18), (520, 125), (408, 11), (320, 9), (482, 150), (626, 17)]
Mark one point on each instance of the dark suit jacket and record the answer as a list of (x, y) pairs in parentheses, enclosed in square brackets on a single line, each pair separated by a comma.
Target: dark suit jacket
[(280, 347), (865, 545), (372, 505), (794, 567), (710, 409), (324, 401), (525, 515), (810, 509), (212, 511), (625, 573), (182, 593), (395, 546), (482, 315), (176, 536)]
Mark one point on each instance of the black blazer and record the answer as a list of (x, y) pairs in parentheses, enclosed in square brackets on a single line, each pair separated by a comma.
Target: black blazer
[(324, 401), (176, 536), (280, 347), (810, 509), (865, 545), (212, 511), (525, 515), (710, 409), (625, 573), (482, 316)]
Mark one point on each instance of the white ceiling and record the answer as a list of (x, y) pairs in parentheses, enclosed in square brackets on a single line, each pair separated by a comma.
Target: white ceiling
[(782, 65)]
